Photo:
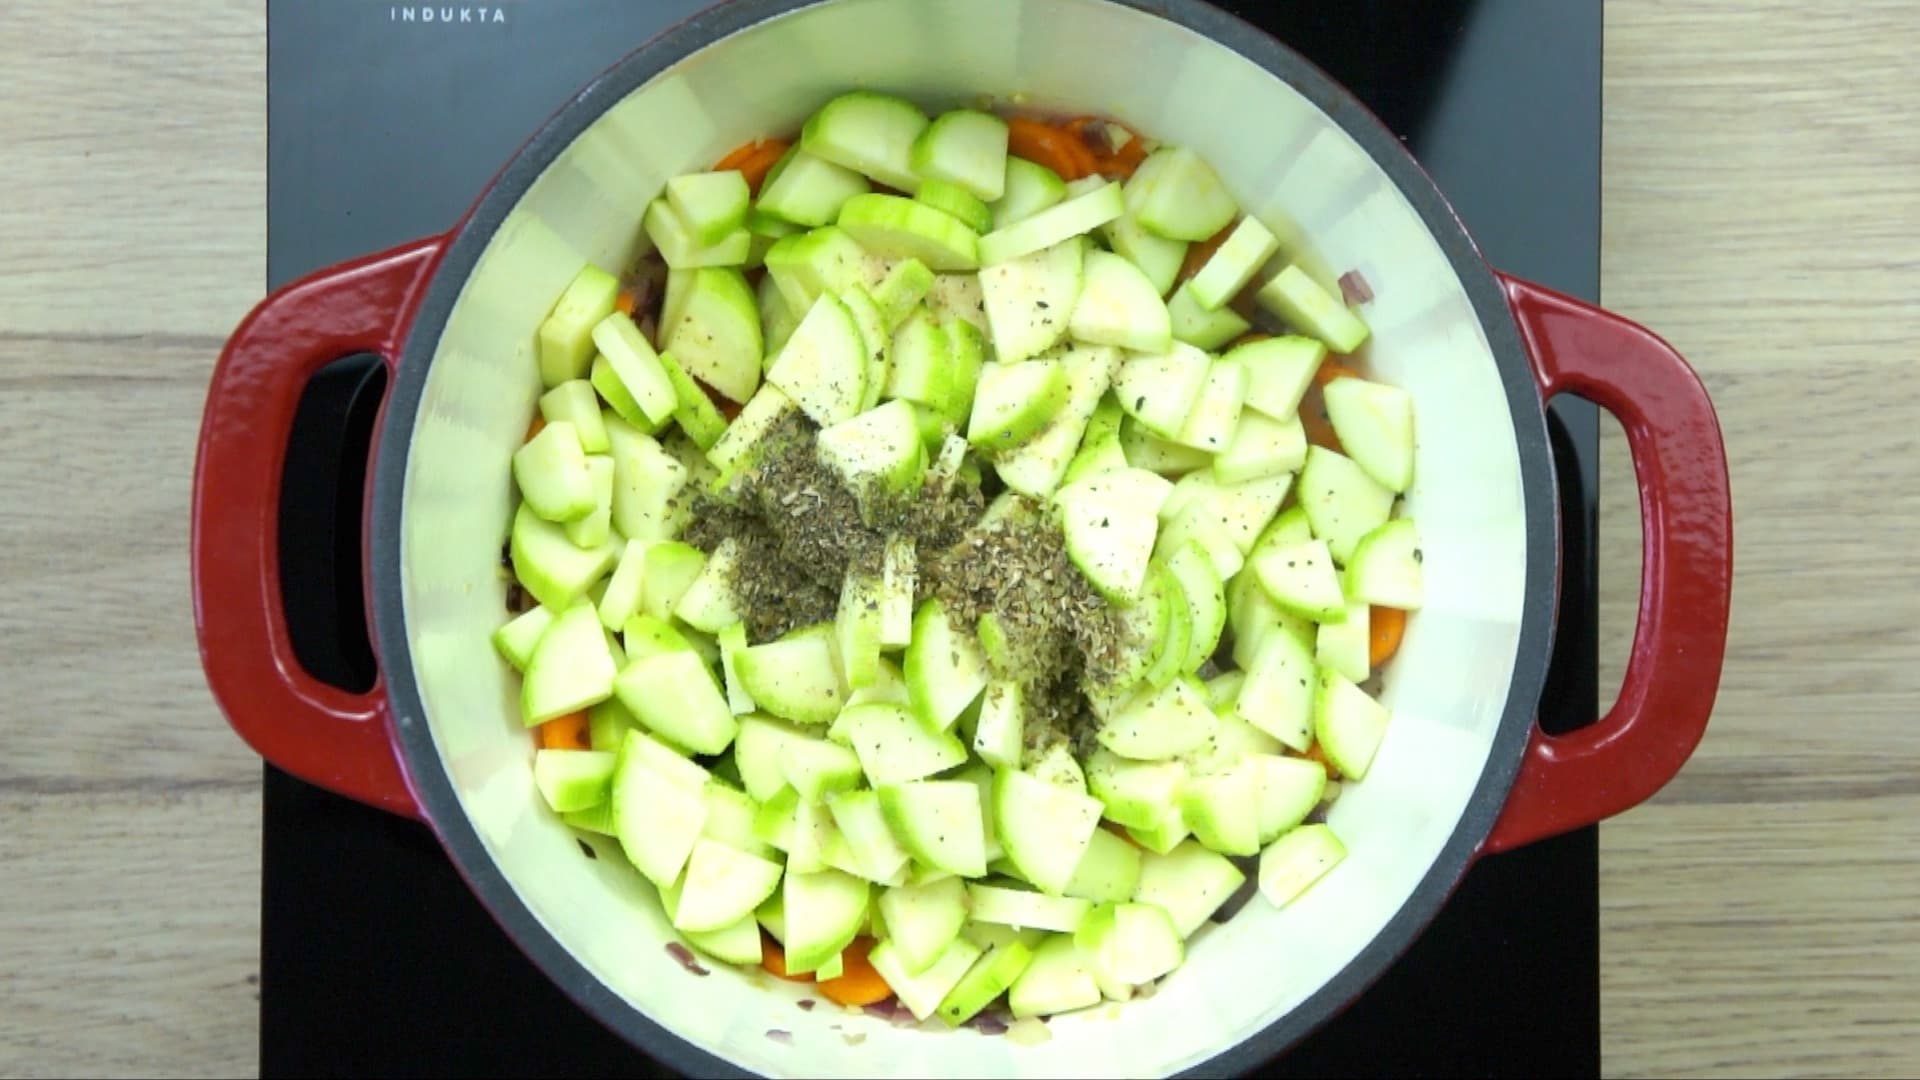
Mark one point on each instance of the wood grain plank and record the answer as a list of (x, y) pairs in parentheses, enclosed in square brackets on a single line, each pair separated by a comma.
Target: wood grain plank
[(95, 609), (1760, 196), (132, 231), (130, 924), (135, 179)]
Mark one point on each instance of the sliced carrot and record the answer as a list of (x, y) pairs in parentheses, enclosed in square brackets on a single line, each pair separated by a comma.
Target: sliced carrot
[(1044, 144), (1331, 369), (566, 732), (1385, 626), (738, 156), (1122, 162), (1313, 406), (1198, 254), (859, 983), (1313, 417), (1315, 753), (728, 407), (754, 160), (1110, 161), (539, 424), (774, 959), (626, 302)]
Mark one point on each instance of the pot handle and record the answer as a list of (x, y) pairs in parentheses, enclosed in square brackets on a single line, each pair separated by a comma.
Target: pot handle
[(338, 740), (1568, 781)]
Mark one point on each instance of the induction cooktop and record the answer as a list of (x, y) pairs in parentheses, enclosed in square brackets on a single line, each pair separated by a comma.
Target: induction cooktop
[(386, 117)]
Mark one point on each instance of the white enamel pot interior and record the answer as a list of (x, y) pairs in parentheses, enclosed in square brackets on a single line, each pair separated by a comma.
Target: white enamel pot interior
[(1296, 151)]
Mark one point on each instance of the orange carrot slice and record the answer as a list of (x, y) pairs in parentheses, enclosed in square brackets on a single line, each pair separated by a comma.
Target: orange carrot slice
[(774, 959), (1331, 369), (1314, 753), (1044, 144), (754, 160), (858, 983), (566, 732), (1385, 627)]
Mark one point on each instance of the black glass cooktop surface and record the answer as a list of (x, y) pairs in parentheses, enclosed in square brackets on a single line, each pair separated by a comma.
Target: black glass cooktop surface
[(384, 119)]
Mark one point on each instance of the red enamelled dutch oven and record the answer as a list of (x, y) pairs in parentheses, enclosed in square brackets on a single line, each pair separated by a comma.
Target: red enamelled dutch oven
[(1464, 772)]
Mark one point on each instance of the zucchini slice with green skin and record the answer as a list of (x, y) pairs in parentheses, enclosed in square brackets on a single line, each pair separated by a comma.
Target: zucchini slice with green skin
[(1176, 194), (945, 670), (1013, 401), (823, 367), (1029, 300), (1056, 980), (551, 472), (1233, 265), (1119, 305), (1311, 309), (922, 920), (1199, 327), (716, 336), (1044, 828), (1374, 422), (712, 204), (939, 822), (967, 148), (923, 993), (1279, 370), (1189, 883), (957, 201), (807, 191), (1342, 503), (899, 228), (637, 366), (794, 678), (869, 132), (565, 338), (1291, 864), (1348, 723), (571, 780), (1160, 389), (673, 236), (1386, 567), (989, 977), (1056, 224), (1029, 189)]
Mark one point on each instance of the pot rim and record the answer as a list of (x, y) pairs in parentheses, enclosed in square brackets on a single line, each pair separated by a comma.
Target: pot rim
[(432, 786)]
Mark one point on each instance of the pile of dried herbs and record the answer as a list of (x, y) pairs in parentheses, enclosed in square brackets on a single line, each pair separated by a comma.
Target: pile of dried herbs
[(801, 530)]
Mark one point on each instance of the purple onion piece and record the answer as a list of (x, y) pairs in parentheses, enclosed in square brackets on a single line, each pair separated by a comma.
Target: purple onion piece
[(989, 1023), (1354, 288), (685, 956)]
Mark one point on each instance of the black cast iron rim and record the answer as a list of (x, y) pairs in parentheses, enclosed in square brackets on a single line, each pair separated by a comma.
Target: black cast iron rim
[(434, 788)]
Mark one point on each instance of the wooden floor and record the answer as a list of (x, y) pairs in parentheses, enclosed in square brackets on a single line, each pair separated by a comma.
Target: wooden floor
[(1762, 193)]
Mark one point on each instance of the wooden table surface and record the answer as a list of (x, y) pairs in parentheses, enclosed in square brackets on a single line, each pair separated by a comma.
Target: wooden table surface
[(1762, 210)]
